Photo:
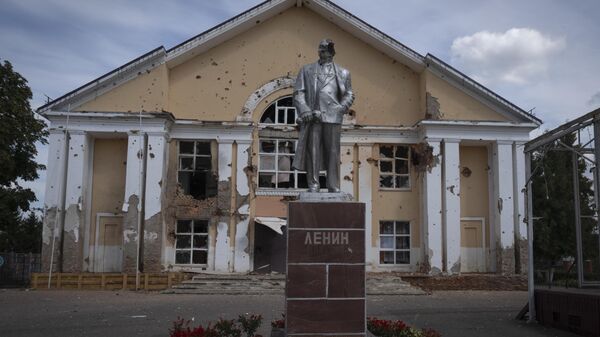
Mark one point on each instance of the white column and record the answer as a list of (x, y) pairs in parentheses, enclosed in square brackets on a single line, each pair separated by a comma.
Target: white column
[(132, 206), (241, 256), (55, 174), (519, 190), (76, 184), (432, 211), (221, 254), (156, 170), (346, 167), (504, 218), (134, 169), (365, 194), (451, 202)]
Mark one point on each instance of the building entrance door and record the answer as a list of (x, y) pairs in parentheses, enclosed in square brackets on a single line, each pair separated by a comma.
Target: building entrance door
[(108, 256), (472, 245)]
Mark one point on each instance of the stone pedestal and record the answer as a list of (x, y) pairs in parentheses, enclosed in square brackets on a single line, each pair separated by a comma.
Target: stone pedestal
[(325, 286)]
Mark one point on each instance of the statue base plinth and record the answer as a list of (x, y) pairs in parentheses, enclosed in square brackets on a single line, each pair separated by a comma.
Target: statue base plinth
[(325, 272)]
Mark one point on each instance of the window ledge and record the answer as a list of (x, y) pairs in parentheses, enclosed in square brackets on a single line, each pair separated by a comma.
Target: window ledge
[(278, 192), (384, 189)]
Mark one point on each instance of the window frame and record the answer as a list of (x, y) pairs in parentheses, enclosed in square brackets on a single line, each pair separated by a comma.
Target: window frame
[(393, 173), (191, 235), (394, 236), (194, 157), (276, 122)]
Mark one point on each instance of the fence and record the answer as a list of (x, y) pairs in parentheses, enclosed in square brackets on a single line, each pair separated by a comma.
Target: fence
[(17, 268), (108, 281)]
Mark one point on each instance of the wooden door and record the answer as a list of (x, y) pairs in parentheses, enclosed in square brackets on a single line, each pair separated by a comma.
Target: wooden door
[(108, 257), (472, 245)]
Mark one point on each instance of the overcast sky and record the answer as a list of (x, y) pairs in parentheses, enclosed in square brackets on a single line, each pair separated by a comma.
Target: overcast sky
[(542, 54)]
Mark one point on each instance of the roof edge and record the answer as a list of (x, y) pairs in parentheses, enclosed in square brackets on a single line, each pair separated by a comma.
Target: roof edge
[(156, 52), (479, 88)]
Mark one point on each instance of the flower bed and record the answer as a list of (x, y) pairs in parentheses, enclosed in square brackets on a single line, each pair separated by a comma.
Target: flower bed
[(246, 324), (388, 328)]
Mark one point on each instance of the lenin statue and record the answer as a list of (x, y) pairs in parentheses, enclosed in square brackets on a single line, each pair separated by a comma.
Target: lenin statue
[(322, 95)]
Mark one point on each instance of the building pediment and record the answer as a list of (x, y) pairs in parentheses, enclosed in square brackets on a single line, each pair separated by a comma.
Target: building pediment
[(213, 75)]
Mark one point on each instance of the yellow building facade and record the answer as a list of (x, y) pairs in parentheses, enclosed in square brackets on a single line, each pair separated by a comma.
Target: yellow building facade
[(180, 159)]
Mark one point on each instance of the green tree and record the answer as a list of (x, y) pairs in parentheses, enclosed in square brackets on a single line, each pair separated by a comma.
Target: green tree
[(25, 237), (554, 206), (19, 132)]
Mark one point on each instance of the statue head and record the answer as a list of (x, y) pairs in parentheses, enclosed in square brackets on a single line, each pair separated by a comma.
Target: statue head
[(326, 50)]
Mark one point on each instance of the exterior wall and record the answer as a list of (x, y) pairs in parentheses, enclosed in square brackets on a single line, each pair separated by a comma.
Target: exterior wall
[(178, 205), (474, 190), (402, 205), (270, 206), (147, 92), (455, 104), (108, 180)]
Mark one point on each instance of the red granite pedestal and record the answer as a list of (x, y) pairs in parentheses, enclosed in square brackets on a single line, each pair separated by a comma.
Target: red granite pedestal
[(325, 286)]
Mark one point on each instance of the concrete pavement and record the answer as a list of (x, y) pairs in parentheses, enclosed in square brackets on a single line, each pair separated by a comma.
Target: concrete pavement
[(106, 313)]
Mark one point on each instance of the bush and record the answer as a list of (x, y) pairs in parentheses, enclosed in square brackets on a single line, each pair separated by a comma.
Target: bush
[(248, 324)]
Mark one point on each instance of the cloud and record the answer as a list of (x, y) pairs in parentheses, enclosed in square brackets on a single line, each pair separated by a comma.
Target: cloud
[(517, 56), (594, 101)]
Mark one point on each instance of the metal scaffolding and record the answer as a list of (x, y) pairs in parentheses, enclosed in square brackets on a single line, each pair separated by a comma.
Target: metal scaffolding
[(586, 131)]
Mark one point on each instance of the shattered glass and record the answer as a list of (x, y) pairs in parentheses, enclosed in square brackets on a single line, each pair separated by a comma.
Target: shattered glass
[(182, 257), (184, 226), (200, 257), (386, 151)]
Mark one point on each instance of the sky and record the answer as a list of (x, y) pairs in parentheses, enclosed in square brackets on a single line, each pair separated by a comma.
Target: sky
[(542, 55)]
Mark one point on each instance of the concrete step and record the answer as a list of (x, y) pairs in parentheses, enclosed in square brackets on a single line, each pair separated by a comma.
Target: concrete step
[(238, 284)]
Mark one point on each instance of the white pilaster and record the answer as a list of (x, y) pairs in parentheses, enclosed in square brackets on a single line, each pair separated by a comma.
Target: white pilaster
[(346, 167), (242, 249), (451, 202), (504, 218), (432, 211), (365, 194)]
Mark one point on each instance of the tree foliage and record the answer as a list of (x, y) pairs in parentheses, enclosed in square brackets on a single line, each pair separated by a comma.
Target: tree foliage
[(19, 133), (554, 205)]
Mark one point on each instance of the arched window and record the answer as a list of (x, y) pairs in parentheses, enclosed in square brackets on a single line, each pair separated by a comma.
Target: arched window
[(280, 112), (277, 147)]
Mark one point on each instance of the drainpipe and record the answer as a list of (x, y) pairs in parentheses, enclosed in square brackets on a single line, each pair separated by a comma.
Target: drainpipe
[(143, 144)]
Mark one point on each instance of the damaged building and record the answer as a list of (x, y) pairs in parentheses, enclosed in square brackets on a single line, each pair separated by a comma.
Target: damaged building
[(180, 160)]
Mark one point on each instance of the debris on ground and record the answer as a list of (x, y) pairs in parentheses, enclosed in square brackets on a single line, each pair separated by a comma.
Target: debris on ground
[(468, 282)]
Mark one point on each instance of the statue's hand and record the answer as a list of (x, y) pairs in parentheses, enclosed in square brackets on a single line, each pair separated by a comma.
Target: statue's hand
[(317, 116), (306, 118)]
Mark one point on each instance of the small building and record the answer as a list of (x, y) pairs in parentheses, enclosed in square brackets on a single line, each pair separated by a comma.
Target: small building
[(179, 160)]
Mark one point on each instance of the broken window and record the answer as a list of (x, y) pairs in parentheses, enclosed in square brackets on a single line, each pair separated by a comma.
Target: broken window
[(197, 171), (394, 242), (191, 244), (276, 150), (280, 112), (394, 166)]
